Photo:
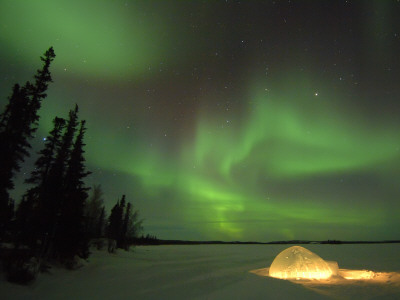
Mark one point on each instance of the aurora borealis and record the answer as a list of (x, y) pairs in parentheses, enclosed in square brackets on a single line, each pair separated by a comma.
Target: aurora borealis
[(226, 120)]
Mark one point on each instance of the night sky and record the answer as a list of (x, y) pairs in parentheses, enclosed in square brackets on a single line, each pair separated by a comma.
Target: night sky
[(226, 120)]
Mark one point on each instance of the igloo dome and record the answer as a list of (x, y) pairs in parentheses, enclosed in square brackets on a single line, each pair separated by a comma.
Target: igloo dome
[(297, 262)]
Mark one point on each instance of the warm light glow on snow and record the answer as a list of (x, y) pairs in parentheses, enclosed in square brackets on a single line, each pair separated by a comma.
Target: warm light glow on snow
[(357, 274), (296, 263), (299, 263)]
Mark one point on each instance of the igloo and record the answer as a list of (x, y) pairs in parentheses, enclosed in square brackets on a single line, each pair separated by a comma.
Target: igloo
[(299, 263)]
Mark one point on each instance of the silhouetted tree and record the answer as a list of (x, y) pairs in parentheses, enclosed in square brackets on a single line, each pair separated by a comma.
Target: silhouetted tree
[(94, 213), (47, 155), (120, 235), (18, 123), (135, 226), (53, 190), (147, 240), (32, 199), (59, 167), (101, 223), (124, 224), (25, 231), (115, 221), (70, 236)]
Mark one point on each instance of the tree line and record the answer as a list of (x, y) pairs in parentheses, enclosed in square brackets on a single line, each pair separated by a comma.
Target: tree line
[(55, 218)]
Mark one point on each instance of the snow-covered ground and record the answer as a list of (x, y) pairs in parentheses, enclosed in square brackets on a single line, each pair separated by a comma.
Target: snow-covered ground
[(211, 272)]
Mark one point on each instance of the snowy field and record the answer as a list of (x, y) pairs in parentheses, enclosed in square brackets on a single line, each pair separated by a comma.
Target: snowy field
[(212, 272)]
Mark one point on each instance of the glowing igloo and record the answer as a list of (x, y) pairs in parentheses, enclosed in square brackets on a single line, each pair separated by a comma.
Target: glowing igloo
[(299, 263)]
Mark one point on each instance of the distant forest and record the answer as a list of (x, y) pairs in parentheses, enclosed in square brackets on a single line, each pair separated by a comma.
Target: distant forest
[(56, 220)]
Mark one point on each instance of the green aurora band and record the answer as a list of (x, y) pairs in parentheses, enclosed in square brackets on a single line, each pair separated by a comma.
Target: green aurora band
[(98, 30), (220, 170)]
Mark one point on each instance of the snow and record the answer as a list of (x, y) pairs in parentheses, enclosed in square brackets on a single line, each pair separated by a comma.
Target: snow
[(211, 272)]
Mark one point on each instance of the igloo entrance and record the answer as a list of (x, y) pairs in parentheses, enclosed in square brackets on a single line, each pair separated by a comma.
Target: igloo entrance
[(299, 263)]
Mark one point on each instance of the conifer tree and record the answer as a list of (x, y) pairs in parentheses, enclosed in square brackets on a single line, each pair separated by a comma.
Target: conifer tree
[(47, 155), (70, 237), (59, 168), (101, 223), (122, 206), (52, 192), (25, 229), (13, 138), (115, 222), (93, 211), (121, 210), (124, 231), (124, 224), (18, 123), (37, 92), (32, 210)]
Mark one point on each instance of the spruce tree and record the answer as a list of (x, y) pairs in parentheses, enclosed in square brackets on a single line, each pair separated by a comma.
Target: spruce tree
[(13, 150), (59, 168), (76, 171), (47, 155), (124, 224), (120, 236), (52, 192), (32, 210), (70, 237), (25, 230), (115, 221), (93, 211), (101, 223), (18, 123), (37, 92), (13, 139)]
